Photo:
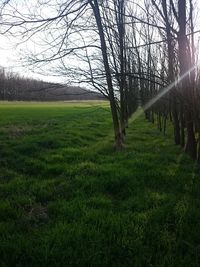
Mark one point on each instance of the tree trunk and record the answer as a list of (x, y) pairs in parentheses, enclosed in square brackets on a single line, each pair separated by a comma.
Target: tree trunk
[(177, 136), (190, 146), (184, 61), (116, 124), (182, 124), (171, 75), (198, 148)]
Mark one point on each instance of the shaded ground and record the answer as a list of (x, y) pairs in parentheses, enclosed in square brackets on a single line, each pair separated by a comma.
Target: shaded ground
[(67, 199)]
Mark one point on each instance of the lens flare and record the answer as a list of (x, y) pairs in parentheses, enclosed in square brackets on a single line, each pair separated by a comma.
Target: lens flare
[(151, 102)]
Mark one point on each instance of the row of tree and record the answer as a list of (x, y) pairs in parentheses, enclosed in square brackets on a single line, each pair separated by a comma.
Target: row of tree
[(13, 87), (181, 104), (144, 52)]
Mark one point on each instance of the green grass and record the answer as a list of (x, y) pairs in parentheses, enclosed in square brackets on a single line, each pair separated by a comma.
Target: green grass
[(67, 199)]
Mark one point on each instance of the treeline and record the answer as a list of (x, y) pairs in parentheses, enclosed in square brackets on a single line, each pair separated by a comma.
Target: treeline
[(180, 102), (130, 52), (13, 87)]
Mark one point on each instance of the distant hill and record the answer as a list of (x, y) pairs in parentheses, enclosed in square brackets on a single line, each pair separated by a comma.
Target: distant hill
[(55, 92), (13, 87)]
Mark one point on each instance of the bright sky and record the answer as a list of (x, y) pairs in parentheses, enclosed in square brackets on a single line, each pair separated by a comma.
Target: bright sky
[(11, 58), (11, 55)]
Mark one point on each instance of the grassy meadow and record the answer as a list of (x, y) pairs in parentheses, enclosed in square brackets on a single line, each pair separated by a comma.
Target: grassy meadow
[(67, 199)]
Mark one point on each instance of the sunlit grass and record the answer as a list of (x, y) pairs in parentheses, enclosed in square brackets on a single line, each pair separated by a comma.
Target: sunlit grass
[(67, 199), (72, 103)]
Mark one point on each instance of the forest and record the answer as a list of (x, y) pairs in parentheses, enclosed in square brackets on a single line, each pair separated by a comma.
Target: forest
[(111, 179), (14, 87)]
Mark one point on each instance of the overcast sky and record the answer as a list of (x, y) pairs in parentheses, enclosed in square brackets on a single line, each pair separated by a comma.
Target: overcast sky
[(11, 54)]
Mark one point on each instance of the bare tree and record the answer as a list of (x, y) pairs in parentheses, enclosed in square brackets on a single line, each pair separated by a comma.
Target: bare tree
[(121, 54)]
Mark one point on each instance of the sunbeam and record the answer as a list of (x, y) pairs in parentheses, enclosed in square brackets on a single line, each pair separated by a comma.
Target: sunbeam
[(151, 102)]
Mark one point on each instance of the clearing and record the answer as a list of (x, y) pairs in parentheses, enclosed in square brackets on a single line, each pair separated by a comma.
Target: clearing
[(67, 199)]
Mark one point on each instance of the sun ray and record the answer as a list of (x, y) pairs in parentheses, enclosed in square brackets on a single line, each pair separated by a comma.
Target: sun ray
[(151, 102)]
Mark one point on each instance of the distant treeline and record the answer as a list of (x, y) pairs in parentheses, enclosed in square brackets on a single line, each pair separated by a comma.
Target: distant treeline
[(13, 87)]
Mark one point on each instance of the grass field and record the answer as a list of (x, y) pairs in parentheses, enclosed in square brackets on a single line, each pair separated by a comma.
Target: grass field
[(67, 199)]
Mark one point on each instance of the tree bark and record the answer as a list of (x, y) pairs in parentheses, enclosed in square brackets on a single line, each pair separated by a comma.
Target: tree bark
[(190, 146), (116, 124), (171, 76)]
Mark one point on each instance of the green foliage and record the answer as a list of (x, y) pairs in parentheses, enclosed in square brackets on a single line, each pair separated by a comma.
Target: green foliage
[(67, 199)]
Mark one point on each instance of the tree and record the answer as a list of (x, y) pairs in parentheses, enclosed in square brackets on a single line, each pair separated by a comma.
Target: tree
[(175, 21), (71, 21), (117, 42)]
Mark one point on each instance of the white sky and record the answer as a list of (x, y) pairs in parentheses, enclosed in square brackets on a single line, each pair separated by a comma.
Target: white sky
[(11, 52), (11, 55)]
